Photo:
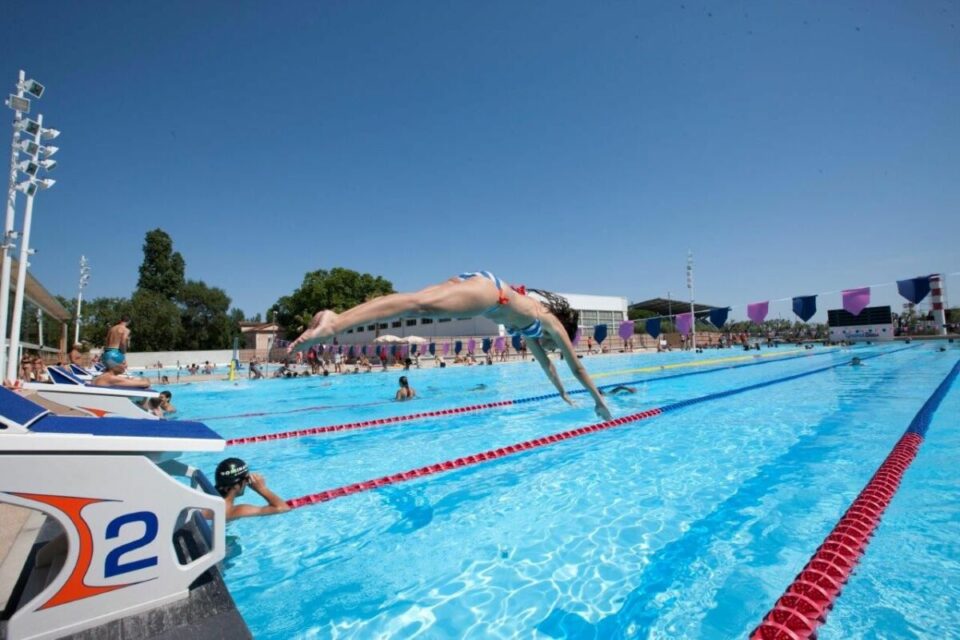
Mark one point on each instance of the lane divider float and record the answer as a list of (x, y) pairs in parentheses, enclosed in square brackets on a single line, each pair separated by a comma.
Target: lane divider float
[(259, 414), (502, 452), (379, 422), (804, 605)]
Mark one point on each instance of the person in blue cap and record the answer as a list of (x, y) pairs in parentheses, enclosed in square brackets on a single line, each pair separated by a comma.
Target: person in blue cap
[(116, 365)]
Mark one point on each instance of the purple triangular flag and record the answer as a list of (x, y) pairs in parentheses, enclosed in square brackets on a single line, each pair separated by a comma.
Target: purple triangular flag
[(856, 300), (684, 321), (626, 329), (576, 338), (758, 311)]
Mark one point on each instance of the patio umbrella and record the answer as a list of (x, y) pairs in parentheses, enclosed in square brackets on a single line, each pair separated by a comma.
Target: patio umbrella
[(388, 338), (415, 340)]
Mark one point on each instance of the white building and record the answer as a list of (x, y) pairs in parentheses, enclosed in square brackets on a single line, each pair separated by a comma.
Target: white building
[(593, 310)]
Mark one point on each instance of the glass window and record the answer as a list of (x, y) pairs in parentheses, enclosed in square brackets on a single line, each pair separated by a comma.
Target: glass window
[(383, 325), (426, 321), (396, 324), (444, 319), (412, 322), (371, 327), (359, 329)]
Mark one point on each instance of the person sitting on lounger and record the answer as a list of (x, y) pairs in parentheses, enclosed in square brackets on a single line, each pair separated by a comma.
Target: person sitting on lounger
[(116, 365), (546, 325)]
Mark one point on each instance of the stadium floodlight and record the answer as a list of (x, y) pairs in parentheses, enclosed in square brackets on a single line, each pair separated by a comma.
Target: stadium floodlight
[(48, 165), (29, 167), (46, 152), (49, 134), (46, 183), (27, 125), (18, 103), (32, 87), (28, 187), (27, 146)]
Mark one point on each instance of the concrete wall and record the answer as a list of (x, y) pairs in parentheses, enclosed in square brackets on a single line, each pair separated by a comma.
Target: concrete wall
[(170, 358)]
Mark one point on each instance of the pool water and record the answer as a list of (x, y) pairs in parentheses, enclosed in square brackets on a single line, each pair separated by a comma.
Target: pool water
[(686, 525)]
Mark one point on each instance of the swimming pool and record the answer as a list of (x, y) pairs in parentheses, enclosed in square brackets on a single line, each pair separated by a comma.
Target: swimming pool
[(688, 524)]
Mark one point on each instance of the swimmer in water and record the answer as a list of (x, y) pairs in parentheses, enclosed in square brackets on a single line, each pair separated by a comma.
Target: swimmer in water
[(405, 392), (619, 390), (856, 362), (547, 325)]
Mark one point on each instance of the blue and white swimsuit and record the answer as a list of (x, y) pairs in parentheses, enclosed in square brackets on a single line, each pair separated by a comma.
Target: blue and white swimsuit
[(532, 330)]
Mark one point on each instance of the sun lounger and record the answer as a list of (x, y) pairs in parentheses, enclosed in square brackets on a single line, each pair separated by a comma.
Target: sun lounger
[(69, 390)]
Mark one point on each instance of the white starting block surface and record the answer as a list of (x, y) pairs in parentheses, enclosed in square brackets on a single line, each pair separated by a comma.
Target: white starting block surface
[(119, 511)]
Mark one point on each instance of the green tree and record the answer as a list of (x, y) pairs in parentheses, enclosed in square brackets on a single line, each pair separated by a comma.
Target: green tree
[(98, 315), (337, 289), (155, 323), (203, 316), (162, 269)]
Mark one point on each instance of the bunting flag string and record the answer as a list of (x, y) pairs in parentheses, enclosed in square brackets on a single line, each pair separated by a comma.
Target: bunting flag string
[(856, 300), (757, 311), (805, 307), (684, 322), (912, 289), (600, 333)]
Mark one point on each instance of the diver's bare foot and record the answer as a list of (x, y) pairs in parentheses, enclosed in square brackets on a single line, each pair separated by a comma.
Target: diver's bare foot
[(321, 329)]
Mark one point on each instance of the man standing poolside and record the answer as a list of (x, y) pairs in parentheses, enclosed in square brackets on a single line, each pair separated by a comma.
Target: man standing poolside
[(118, 339)]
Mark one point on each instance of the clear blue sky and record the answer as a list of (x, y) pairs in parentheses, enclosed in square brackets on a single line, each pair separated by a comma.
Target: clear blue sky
[(795, 147)]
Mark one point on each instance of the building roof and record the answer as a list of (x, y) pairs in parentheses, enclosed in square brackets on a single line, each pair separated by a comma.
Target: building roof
[(665, 307), (38, 295), (259, 327)]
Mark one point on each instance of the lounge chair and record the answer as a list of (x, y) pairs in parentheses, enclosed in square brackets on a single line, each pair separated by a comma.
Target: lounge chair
[(69, 390)]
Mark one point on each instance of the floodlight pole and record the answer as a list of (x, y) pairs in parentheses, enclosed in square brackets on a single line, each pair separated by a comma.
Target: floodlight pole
[(693, 315), (12, 357), (40, 327), (8, 233), (84, 275)]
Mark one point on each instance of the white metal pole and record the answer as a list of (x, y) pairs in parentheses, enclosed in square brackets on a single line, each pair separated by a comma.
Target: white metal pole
[(693, 318), (40, 327), (8, 234), (12, 359), (76, 331)]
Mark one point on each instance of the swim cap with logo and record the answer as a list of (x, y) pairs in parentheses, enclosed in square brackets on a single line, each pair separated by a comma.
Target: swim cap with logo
[(230, 472)]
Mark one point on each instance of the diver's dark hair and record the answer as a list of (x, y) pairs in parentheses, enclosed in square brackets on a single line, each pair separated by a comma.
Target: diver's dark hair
[(560, 307)]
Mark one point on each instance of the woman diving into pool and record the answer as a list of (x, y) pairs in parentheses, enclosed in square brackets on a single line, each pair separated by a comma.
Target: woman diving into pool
[(545, 326)]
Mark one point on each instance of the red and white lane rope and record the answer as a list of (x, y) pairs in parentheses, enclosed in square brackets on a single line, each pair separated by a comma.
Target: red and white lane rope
[(807, 601)]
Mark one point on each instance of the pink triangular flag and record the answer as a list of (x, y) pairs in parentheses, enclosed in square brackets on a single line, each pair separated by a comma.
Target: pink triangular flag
[(758, 311), (684, 321), (856, 300)]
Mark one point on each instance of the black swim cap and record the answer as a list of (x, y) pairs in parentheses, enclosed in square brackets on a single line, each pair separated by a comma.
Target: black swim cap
[(230, 472)]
